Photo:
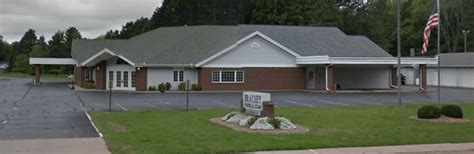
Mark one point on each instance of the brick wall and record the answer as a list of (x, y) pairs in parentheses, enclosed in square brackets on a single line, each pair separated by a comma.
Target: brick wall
[(257, 79), (79, 76), (393, 77), (141, 79), (100, 75), (423, 78)]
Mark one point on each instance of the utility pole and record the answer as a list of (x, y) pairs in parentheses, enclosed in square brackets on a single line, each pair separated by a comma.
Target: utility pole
[(465, 32), (399, 92)]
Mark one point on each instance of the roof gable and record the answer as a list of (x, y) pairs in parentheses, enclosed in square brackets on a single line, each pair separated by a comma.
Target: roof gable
[(254, 51)]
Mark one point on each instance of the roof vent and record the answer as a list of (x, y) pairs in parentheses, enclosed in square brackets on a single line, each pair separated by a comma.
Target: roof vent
[(255, 45)]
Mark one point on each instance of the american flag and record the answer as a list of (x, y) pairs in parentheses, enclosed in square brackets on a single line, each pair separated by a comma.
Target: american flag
[(433, 22)]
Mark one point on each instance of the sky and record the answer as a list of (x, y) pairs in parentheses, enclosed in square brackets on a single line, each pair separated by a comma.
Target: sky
[(91, 17)]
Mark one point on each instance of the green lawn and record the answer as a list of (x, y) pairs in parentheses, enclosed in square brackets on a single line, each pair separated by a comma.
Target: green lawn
[(180, 131), (58, 77)]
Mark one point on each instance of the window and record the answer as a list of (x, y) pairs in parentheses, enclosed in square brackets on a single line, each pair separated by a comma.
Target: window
[(89, 74), (120, 61), (125, 78), (239, 76), (119, 79), (181, 75), (133, 79), (227, 76), (216, 76), (178, 76)]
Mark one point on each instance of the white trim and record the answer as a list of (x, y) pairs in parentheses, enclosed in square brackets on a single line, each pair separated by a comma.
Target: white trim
[(166, 65), (122, 69), (52, 61), (105, 50), (249, 66), (363, 60), (256, 33)]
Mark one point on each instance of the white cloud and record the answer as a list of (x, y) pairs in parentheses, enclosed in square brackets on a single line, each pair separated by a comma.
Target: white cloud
[(91, 17)]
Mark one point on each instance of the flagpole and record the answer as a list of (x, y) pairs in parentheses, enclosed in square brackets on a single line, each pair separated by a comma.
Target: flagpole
[(398, 55), (439, 52)]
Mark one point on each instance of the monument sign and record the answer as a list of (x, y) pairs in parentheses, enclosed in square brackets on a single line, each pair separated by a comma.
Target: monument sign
[(253, 102)]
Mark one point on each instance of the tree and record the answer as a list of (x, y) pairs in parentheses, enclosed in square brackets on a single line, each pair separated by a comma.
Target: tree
[(71, 34), (27, 42), (111, 34), (41, 49), (138, 27), (456, 16), (22, 65), (5, 50), (57, 45)]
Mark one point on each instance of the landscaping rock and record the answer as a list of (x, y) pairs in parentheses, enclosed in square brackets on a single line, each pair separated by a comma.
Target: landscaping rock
[(236, 118), (244, 122), (228, 115), (285, 123), (262, 123)]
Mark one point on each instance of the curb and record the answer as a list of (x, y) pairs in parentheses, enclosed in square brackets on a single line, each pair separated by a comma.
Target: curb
[(88, 116)]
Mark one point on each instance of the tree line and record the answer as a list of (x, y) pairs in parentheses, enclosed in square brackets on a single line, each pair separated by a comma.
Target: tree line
[(59, 46), (375, 19)]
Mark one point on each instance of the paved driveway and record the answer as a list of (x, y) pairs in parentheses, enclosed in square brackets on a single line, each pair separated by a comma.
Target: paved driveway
[(176, 100), (48, 111), (52, 110)]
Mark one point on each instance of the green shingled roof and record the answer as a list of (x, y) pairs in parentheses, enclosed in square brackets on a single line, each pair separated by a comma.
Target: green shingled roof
[(193, 44)]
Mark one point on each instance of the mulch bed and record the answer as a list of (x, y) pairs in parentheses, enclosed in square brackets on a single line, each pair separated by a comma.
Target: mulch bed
[(299, 129), (442, 119)]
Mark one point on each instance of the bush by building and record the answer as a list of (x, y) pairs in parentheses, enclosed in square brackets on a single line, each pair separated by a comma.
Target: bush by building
[(429, 112), (453, 111)]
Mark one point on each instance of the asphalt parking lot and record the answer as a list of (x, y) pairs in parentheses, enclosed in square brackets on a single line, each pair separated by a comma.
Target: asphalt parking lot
[(48, 111), (123, 101), (52, 110)]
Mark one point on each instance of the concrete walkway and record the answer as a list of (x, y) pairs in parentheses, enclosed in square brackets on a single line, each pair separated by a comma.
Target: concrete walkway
[(54, 146), (450, 148)]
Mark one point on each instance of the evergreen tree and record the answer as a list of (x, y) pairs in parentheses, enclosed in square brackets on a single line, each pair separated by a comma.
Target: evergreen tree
[(57, 45), (71, 34)]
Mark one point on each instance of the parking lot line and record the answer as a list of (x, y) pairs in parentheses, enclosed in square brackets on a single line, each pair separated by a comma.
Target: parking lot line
[(217, 102), (360, 101), (299, 103), (334, 103), (123, 108)]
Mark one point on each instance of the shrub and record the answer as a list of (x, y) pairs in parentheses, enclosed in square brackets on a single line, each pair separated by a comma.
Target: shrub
[(89, 84), (196, 87), (429, 112), (168, 86), (182, 86), (152, 88), (453, 111), (274, 122), (161, 87), (251, 121)]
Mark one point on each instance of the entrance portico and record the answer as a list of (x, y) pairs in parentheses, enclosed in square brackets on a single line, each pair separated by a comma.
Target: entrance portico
[(358, 72), (48, 61), (110, 70)]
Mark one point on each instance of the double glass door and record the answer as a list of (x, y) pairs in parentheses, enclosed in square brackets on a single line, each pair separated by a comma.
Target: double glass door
[(121, 79)]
